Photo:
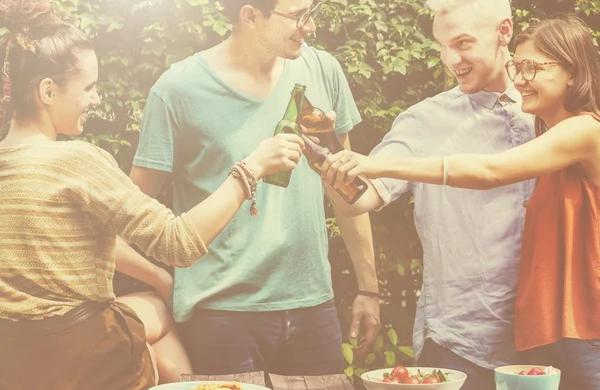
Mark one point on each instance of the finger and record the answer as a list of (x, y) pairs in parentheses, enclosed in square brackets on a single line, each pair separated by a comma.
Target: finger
[(297, 147), (352, 172), (355, 325), (361, 349), (294, 155), (331, 115), (292, 138), (372, 328), (326, 165), (340, 177), (331, 175)]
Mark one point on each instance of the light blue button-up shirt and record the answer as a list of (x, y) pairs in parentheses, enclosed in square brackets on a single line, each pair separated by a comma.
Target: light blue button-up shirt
[(471, 239)]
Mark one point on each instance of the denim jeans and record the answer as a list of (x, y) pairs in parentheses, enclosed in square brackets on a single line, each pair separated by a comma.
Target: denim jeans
[(305, 341), (478, 378), (578, 360)]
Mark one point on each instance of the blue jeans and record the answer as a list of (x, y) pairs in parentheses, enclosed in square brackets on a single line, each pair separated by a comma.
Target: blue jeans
[(305, 341), (478, 378), (578, 360)]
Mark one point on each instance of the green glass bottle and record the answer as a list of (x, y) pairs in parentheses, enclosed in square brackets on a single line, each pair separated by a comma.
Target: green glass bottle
[(289, 124)]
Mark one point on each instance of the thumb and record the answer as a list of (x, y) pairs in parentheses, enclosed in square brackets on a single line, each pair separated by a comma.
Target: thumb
[(355, 326), (331, 115)]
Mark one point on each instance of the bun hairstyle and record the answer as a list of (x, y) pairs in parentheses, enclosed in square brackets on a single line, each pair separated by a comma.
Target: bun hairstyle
[(38, 45)]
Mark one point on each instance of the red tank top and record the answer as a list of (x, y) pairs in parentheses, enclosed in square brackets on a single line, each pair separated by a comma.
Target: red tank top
[(558, 292)]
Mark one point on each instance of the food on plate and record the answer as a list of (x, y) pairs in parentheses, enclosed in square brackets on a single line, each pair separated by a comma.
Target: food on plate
[(217, 386), (400, 374)]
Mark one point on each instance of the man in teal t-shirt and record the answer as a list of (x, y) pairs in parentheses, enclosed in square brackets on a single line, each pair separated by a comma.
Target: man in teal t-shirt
[(262, 298)]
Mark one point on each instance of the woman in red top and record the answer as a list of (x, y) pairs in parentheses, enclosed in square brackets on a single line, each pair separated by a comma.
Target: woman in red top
[(557, 72)]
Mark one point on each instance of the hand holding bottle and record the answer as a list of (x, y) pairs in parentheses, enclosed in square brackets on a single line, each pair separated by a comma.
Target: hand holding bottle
[(272, 155), (343, 167)]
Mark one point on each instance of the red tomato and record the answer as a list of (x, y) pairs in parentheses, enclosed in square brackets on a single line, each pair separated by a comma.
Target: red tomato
[(390, 379), (523, 372), (400, 372), (431, 379), (413, 380), (536, 371)]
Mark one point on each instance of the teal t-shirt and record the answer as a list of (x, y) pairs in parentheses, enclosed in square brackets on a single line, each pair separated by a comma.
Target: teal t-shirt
[(197, 127)]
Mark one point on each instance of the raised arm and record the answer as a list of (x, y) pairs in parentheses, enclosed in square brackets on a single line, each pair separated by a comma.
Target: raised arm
[(110, 196), (574, 140)]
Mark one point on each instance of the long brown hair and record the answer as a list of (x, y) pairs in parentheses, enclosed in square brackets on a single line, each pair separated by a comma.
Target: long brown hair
[(567, 39), (38, 45)]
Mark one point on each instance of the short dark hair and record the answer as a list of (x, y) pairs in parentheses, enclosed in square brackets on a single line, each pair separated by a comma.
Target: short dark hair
[(232, 8), (38, 45)]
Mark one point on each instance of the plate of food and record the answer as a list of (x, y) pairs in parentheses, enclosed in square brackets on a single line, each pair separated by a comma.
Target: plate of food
[(409, 378), (209, 385)]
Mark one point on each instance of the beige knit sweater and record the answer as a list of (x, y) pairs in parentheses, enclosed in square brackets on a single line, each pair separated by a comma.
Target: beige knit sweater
[(62, 205)]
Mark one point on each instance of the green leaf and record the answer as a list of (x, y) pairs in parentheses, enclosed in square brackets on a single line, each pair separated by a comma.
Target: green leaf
[(390, 358), (353, 341), (359, 371), (393, 336), (370, 359), (433, 61), (378, 341), (407, 350), (348, 353), (195, 3), (349, 371), (401, 270)]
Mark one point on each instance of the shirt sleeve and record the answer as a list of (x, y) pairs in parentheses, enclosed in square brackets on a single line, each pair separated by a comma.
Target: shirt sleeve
[(347, 114), (107, 194), (160, 136), (403, 140)]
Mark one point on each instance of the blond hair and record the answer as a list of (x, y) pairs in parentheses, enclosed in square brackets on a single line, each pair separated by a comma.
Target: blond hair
[(496, 9)]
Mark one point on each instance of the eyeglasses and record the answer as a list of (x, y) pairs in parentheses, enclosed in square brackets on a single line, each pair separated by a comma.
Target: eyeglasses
[(527, 68), (302, 19)]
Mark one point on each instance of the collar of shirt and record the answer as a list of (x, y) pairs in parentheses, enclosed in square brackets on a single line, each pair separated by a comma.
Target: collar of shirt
[(489, 99)]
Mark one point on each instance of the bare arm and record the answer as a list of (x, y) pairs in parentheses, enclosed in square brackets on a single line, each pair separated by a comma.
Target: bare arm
[(214, 213), (574, 140), (150, 181), (131, 263), (357, 235)]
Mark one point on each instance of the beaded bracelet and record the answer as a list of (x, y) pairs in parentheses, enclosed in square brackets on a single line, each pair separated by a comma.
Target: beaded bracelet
[(243, 173)]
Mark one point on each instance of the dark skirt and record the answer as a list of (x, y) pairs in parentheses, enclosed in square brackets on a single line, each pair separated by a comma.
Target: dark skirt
[(97, 346)]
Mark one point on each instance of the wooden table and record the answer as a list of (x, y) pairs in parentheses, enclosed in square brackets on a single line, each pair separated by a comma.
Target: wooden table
[(280, 382), (321, 382)]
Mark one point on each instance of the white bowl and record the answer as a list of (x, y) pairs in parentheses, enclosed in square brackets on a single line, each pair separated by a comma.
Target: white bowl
[(189, 385), (373, 380)]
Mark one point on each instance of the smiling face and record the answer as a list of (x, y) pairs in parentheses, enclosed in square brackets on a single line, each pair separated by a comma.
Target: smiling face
[(473, 48), (72, 99), (544, 96), (279, 35)]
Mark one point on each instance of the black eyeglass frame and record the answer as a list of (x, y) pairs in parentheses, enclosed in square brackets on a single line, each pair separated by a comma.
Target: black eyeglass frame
[(311, 13)]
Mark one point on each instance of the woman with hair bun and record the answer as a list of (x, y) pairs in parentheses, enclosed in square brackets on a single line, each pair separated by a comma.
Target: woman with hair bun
[(62, 206)]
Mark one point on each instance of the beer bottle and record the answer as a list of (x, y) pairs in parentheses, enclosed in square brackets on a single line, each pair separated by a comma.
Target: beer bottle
[(289, 124), (316, 156)]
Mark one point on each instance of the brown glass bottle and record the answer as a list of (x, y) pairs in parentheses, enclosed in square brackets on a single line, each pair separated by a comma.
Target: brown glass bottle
[(316, 156)]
